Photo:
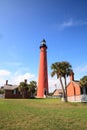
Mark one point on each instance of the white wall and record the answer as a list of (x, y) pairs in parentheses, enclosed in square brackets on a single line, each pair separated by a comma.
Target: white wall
[(80, 98)]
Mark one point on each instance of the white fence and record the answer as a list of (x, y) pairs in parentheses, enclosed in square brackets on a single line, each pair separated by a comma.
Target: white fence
[(1, 95), (80, 98)]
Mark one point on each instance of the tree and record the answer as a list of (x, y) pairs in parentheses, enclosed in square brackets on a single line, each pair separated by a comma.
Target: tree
[(32, 88), (62, 70), (83, 85), (23, 88), (83, 81), (1, 91)]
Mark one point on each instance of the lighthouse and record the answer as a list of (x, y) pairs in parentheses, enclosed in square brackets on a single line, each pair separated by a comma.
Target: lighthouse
[(42, 90)]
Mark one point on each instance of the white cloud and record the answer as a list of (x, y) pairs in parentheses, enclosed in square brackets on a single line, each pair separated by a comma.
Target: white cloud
[(3, 76), (71, 23), (2, 81), (53, 83), (17, 78), (4, 72), (67, 23)]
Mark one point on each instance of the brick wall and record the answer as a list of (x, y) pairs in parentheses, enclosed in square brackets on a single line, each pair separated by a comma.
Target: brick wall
[(10, 94), (73, 89)]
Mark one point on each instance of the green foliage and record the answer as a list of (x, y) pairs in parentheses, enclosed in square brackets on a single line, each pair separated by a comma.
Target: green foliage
[(42, 114), (83, 81), (61, 69), (28, 89), (1, 91), (23, 88), (32, 88)]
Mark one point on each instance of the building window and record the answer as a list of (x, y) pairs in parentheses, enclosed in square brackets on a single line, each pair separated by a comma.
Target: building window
[(81, 88), (14, 91), (86, 89)]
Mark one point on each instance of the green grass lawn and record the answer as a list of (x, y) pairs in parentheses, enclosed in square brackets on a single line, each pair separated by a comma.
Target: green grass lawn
[(42, 114)]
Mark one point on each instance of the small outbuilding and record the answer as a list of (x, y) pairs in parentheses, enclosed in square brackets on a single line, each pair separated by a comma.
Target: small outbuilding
[(75, 93), (11, 91), (57, 93)]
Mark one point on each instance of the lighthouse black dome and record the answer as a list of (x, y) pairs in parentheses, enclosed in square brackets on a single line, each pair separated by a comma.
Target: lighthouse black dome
[(43, 44)]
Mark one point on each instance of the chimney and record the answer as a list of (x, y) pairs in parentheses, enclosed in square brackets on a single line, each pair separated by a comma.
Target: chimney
[(71, 76), (6, 82), (25, 81)]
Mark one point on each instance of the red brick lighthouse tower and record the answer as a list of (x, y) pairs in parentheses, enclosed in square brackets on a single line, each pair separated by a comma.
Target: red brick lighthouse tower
[(43, 72)]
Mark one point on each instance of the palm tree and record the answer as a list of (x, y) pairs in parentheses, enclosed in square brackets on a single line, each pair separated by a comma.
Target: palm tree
[(62, 70), (32, 88), (23, 88)]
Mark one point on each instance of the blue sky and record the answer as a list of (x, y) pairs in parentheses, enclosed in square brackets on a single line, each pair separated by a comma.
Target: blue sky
[(23, 25)]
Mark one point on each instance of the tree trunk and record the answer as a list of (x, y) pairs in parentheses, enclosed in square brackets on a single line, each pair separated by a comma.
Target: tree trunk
[(65, 89), (64, 95)]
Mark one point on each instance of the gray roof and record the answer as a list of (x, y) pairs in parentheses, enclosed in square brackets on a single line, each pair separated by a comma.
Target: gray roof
[(10, 87)]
